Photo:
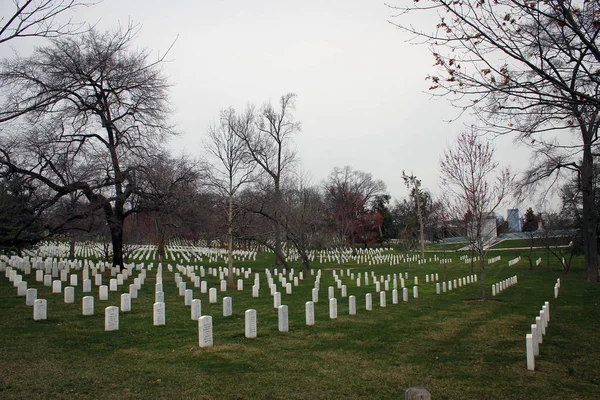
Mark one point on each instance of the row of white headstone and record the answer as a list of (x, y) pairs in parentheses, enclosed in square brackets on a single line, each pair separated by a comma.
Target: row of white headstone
[(494, 259), (535, 338), (40, 308), (499, 287), (455, 283), (514, 261)]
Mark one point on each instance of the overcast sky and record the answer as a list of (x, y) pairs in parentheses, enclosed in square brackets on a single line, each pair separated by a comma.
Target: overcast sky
[(361, 87)]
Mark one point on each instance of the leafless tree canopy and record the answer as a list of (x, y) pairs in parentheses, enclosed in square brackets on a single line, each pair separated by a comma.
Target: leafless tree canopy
[(525, 67), (40, 18), (97, 111), (477, 186), (347, 193)]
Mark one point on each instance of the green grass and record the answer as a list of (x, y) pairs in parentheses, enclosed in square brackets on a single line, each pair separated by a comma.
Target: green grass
[(456, 348), (439, 247)]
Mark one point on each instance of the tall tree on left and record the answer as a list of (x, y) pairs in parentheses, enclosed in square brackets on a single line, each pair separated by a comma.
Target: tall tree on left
[(109, 113)]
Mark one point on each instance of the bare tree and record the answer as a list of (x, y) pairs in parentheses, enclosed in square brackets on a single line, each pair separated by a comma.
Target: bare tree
[(40, 18), (305, 212), (477, 184), (37, 18), (347, 192), (230, 169), (165, 186), (414, 185), (268, 136), (109, 115), (528, 68)]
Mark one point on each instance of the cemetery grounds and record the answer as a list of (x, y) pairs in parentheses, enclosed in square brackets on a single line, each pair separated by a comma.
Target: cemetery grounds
[(450, 343)]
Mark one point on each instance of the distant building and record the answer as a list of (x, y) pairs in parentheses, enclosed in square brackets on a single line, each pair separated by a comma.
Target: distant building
[(514, 220)]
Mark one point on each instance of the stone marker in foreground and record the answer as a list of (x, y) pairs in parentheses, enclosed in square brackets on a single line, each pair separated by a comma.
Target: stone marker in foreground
[(250, 319), (125, 302), (212, 296), (205, 331), (227, 306), (159, 314), (69, 295), (417, 393), (352, 305), (529, 349), (196, 311), (111, 318), (40, 309), (368, 302), (282, 313), (87, 305), (333, 308), (30, 296), (310, 312)]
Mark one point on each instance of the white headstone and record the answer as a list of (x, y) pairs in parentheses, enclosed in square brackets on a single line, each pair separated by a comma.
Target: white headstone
[(250, 325), (103, 292), (205, 331), (203, 287), (529, 349), (369, 302), (22, 289), (125, 302), (87, 285), (87, 305), (212, 296), (159, 297), (159, 314), (30, 296), (382, 299), (415, 292), (282, 313), (189, 296), (333, 308), (196, 309), (394, 296), (255, 290), (309, 307), (40, 309), (111, 318), (73, 280), (276, 300), (112, 285), (69, 294), (315, 295), (536, 345), (133, 291), (405, 294), (227, 306), (56, 286)]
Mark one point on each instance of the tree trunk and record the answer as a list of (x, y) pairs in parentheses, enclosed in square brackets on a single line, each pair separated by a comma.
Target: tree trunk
[(71, 248), (116, 236), (589, 216), (482, 277), (230, 239), (420, 217), (278, 250)]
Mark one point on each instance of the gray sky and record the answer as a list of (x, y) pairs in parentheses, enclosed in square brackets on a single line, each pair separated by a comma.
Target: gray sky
[(361, 87)]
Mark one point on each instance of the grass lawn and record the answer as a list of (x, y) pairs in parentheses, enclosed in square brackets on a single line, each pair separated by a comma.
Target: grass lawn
[(455, 347), (439, 247)]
